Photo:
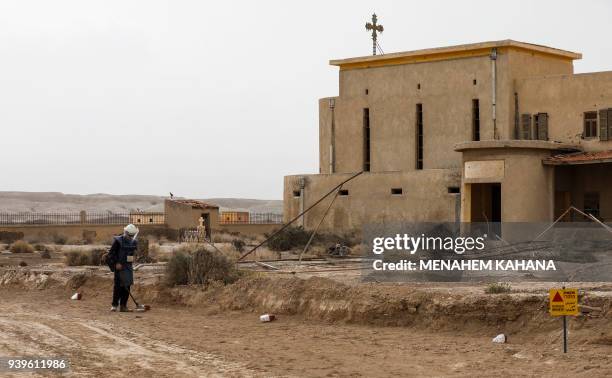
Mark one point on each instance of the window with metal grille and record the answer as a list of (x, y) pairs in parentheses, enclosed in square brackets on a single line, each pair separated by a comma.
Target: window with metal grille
[(590, 125), (591, 203), (397, 191), (419, 136), (475, 119), (366, 139)]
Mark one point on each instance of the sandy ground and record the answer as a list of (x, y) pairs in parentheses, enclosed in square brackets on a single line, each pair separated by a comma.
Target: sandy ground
[(192, 341)]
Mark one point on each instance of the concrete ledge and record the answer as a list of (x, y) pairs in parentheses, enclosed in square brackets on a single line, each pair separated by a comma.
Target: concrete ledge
[(518, 144)]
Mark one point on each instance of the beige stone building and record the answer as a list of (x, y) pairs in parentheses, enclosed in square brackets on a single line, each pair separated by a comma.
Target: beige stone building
[(492, 131)]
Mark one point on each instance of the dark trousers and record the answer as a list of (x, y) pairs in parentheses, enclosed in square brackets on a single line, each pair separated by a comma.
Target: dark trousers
[(120, 292)]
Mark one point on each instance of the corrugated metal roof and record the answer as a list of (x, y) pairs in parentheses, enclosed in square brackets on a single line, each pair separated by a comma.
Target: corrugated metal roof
[(580, 158)]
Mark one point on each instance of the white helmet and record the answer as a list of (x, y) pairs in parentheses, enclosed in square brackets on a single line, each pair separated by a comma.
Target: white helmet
[(131, 229)]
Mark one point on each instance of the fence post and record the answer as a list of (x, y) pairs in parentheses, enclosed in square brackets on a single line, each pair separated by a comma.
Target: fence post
[(83, 216)]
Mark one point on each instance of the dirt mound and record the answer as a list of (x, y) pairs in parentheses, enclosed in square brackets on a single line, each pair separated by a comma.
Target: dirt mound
[(322, 299)]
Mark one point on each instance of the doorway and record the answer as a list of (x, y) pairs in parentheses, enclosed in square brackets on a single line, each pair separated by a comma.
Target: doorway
[(206, 218), (486, 203)]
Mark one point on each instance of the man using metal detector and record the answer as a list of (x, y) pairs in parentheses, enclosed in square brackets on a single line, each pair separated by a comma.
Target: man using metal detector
[(120, 259)]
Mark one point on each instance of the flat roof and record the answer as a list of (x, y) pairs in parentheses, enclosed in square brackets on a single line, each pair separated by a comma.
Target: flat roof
[(449, 52)]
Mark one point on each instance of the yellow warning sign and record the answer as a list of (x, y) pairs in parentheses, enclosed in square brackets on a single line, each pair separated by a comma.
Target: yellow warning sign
[(563, 302)]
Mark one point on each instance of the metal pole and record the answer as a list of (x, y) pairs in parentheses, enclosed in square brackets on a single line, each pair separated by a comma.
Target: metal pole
[(298, 216), (564, 327), (319, 224), (564, 333)]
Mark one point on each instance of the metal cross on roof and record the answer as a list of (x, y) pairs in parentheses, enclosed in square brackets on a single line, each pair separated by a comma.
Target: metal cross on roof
[(375, 28)]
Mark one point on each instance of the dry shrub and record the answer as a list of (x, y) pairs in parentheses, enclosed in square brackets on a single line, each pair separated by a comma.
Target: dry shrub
[(238, 245), (59, 239), (79, 257), (498, 288), (41, 248), (21, 246), (45, 254), (289, 238), (23, 263), (223, 237), (198, 266)]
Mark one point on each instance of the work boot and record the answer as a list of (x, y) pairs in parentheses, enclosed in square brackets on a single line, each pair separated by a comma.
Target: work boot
[(113, 308), (123, 309)]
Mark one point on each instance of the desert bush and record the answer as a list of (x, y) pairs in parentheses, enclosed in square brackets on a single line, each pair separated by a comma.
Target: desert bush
[(498, 288), (222, 237), (10, 236), (238, 244), (199, 266), (289, 238), (78, 257), (45, 254), (177, 269), (41, 248), (23, 263), (21, 246), (59, 239)]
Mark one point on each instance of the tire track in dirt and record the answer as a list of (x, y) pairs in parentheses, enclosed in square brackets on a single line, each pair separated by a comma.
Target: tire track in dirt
[(95, 348)]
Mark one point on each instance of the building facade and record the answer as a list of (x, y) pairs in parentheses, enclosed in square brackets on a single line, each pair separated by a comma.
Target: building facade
[(492, 131)]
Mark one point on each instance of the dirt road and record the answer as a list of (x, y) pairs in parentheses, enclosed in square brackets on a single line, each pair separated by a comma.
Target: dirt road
[(189, 341)]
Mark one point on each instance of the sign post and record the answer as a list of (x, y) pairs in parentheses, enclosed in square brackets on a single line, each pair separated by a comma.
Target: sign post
[(563, 302)]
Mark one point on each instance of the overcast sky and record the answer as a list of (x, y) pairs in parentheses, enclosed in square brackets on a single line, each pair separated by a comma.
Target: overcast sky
[(217, 99)]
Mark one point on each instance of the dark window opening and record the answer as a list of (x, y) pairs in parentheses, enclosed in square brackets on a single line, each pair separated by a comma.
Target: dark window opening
[(396, 191), (590, 125), (419, 136), (343, 192), (475, 120), (150, 220), (453, 190), (296, 193), (419, 86), (591, 204), (366, 139), (367, 91), (474, 82)]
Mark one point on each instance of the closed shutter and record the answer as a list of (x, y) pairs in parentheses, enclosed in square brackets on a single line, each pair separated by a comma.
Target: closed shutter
[(603, 124), (542, 126), (609, 118), (525, 126)]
